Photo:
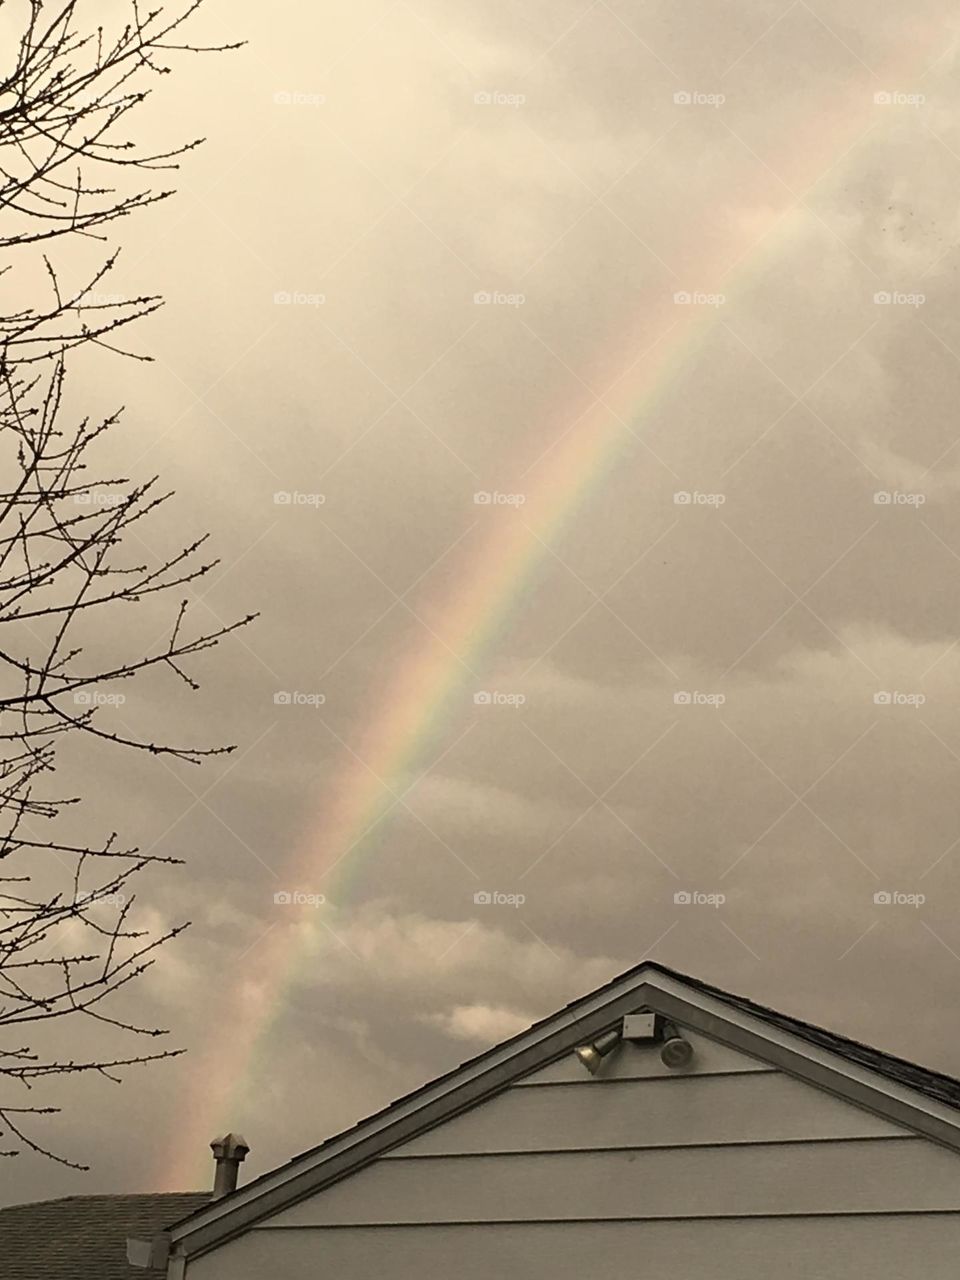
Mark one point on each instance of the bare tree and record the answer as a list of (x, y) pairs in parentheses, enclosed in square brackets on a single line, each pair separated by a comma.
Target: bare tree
[(72, 559)]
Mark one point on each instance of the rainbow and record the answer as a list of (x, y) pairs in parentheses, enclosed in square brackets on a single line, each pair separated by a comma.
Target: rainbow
[(429, 690)]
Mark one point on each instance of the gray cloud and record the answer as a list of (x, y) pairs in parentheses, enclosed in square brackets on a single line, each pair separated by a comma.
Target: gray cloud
[(397, 397)]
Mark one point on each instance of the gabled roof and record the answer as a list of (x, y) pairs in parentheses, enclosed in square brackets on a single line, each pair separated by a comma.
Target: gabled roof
[(84, 1237), (920, 1099), (932, 1083)]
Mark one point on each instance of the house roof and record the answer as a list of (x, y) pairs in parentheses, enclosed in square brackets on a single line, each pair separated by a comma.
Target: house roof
[(912, 1095), (934, 1084), (84, 1237)]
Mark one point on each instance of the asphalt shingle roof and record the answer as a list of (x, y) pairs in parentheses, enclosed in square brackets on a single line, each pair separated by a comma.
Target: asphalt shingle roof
[(85, 1237), (934, 1084)]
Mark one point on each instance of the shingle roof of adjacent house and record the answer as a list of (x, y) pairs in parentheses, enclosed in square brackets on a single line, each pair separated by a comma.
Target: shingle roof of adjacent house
[(84, 1237)]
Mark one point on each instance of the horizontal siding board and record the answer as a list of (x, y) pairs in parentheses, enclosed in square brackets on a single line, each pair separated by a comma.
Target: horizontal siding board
[(852, 1248), (638, 1113), (818, 1177), (641, 1061)]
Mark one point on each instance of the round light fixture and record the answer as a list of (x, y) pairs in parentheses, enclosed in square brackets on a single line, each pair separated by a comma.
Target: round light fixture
[(676, 1051)]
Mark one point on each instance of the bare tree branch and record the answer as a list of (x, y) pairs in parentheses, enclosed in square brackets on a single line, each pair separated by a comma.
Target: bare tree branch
[(71, 547)]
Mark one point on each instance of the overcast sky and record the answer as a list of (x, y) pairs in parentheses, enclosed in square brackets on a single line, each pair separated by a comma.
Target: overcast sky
[(711, 607)]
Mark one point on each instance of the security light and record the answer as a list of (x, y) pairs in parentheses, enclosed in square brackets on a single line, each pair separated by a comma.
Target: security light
[(676, 1051), (591, 1055)]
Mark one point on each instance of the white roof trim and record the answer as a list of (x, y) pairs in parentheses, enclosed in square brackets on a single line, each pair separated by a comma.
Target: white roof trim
[(850, 1078)]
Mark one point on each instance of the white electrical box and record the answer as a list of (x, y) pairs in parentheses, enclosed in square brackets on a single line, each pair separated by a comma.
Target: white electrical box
[(640, 1026)]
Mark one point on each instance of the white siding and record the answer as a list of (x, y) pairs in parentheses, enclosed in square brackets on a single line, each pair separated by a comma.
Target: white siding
[(881, 1248), (684, 1110), (728, 1170), (864, 1175)]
